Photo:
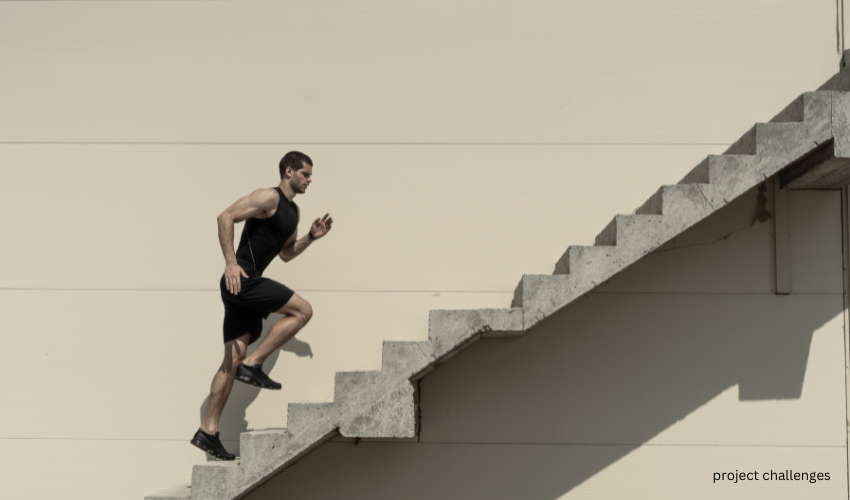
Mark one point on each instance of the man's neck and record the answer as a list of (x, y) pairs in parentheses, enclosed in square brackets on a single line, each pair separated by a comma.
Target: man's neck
[(287, 190)]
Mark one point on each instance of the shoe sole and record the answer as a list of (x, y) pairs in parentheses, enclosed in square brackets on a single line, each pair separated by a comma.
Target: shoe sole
[(250, 381), (209, 450)]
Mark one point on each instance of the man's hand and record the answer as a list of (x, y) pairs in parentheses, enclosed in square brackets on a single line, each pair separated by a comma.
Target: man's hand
[(321, 226), (232, 279)]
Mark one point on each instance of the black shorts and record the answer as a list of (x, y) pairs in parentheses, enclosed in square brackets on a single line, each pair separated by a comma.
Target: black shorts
[(245, 312)]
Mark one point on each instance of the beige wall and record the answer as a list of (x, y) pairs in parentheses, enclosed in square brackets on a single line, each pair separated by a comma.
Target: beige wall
[(458, 145), (685, 365)]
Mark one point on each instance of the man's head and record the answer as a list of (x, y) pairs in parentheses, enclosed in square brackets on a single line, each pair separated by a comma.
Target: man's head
[(297, 169)]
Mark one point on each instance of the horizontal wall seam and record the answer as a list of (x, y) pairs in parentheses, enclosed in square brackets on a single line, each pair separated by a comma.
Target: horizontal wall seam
[(366, 143), (214, 290), (99, 439), (611, 444), (826, 294), (466, 443), (208, 290)]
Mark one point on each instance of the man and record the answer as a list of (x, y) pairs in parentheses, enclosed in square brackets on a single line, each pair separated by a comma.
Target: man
[(271, 229)]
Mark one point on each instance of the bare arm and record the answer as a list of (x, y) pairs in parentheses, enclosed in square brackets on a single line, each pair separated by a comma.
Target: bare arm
[(293, 247), (246, 207)]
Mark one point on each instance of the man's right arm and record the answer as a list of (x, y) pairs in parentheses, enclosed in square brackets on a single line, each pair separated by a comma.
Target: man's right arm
[(257, 202)]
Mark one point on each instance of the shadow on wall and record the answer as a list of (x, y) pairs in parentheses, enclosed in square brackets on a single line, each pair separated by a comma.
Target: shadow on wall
[(536, 416), (612, 373), (233, 421)]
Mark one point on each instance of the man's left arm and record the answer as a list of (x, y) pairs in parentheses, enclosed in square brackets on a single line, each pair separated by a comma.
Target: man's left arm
[(293, 247)]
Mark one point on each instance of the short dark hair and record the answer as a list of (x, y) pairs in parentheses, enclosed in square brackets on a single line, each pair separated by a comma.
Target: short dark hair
[(294, 160)]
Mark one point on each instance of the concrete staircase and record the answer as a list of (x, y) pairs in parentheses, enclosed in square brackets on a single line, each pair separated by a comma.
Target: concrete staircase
[(383, 404)]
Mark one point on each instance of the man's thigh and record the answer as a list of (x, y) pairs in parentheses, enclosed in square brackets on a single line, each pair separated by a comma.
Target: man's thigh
[(296, 306), (240, 322), (262, 295)]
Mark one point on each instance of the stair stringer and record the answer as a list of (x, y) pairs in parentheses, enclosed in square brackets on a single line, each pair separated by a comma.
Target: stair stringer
[(384, 403)]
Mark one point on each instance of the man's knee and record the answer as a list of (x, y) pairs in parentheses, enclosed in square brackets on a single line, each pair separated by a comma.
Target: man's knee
[(303, 312), (298, 308), (237, 358), (306, 312), (235, 352)]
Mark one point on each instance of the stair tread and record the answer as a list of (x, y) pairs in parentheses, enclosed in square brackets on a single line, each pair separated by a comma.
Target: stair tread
[(255, 432), (182, 491)]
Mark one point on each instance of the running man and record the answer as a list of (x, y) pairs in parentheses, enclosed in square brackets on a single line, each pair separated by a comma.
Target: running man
[(271, 230)]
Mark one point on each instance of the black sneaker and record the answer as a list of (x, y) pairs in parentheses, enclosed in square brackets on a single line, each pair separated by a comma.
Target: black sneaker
[(211, 444), (253, 375)]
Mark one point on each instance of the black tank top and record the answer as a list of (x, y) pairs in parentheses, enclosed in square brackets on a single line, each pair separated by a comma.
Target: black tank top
[(263, 239)]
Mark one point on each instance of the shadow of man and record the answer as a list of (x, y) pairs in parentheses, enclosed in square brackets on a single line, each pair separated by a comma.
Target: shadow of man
[(233, 421)]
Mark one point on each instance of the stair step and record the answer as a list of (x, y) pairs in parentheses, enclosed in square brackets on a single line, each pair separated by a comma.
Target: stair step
[(766, 137), (404, 359), (794, 112), (348, 385), (624, 229), (716, 169), (578, 258), (261, 447), (807, 106), (448, 329), (301, 415), (680, 202), (543, 294), (220, 479), (367, 402), (393, 416), (181, 492)]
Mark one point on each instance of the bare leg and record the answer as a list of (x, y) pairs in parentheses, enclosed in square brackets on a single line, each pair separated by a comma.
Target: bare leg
[(297, 314), (222, 383)]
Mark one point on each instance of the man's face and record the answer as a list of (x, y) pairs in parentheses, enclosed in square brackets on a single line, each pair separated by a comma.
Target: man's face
[(301, 178)]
